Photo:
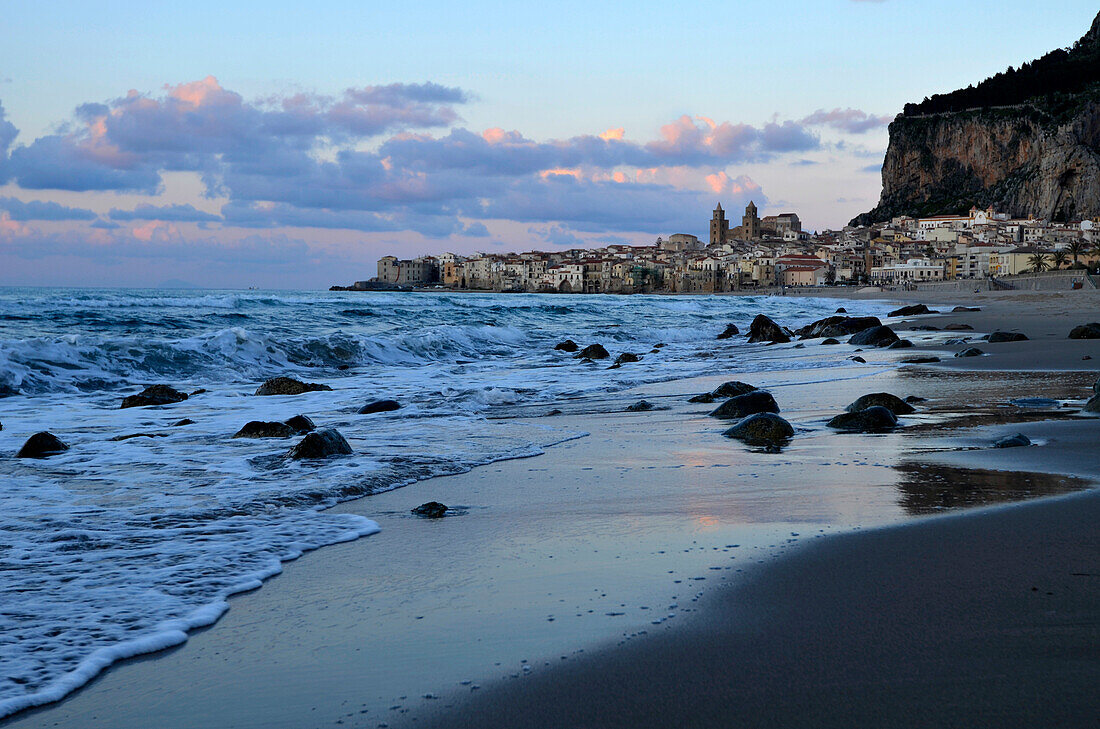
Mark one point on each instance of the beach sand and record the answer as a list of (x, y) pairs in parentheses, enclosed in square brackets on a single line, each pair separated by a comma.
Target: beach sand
[(552, 588)]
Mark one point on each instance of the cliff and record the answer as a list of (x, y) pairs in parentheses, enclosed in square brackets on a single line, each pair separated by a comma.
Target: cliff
[(999, 144)]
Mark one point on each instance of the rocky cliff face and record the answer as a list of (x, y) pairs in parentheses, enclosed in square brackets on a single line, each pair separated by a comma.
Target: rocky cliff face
[(1039, 158)]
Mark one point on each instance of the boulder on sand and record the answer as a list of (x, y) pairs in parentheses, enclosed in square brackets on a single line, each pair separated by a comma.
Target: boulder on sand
[(920, 360), (731, 330), (264, 429), (379, 406), (762, 429), (893, 403), (764, 329), (431, 510), (1086, 331), (913, 310), (958, 328), (871, 420), (567, 346), (838, 326), (880, 336), (593, 351), (154, 395), (321, 444), (706, 397), (996, 337), (830, 340), (961, 309), (758, 401), (301, 424), (970, 352), (733, 388), (1013, 441), (901, 344), (41, 445), (1092, 405), (641, 406), (626, 357), (288, 386)]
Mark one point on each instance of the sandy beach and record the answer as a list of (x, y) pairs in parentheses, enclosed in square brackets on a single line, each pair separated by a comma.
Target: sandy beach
[(651, 573)]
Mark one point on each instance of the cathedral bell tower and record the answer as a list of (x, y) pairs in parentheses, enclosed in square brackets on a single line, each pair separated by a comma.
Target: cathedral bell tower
[(719, 226)]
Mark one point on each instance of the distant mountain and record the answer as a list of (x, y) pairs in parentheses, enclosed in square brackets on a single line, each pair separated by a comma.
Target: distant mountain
[(1026, 141)]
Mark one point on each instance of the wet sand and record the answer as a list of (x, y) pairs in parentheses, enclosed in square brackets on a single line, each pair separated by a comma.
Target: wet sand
[(572, 562)]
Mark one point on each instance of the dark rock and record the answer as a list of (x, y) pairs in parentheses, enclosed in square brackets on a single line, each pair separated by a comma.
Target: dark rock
[(431, 510), (301, 424), (742, 406), (880, 336), (955, 341), (1013, 441), (200, 391), (872, 420), (731, 330), (971, 352), (379, 406), (567, 346), (1086, 331), (1096, 387), (733, 388), (640, 407), (859, 359), (996, 337), (288, 386), (916, 398), (593, 351), (555, 411), (800, 345), (830, 340), (764, 329), (343, 367), (842, 310), (1092, 405), (838, 326), (131, 436), (901, 344), (321, 444), (660, 345), (8, 390), (154, 395), (762, 429), (705, 397), (893, 403), (958, 328), (924, 328), (41, 445), (920, 360), (961, 309), (185, 421), (812, 330), (913, 310), (264, 429), (627, 357)]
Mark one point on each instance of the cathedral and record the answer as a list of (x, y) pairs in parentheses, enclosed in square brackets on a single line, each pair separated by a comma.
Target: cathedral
[(720, 231)]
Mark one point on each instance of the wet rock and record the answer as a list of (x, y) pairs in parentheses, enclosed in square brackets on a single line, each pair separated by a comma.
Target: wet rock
[(920, 360), (955, 341), (1086, 331), (961, 309), (731, 330), (431, 510), (858, 359), (288, 386), (131, 436), (924, 328), (733, 388), (742, 406), (800, 345), (705, 398), (567, 346), (913, 310), (762, 429), (915, 399), (970, 352), (996, 337), (379, 406), (8, 390), (321, 444), (593, 351), (264, 429), (838, 326), (301, 424), (555, 411), (626, 357), (842, 310), (880, 336), (185, 421), (958, 328), (154, 395), (1013, 441), (41, 445), (764, 329), (1092, 405), (641, 406), (901, 344), (813, 329), (893, 403), (830, 340), (872, 420), (1096, 387), (200, 391)]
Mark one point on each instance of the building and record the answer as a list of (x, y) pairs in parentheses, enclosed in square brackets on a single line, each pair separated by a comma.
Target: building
[(719, 227), (914, 270), (751, 228)]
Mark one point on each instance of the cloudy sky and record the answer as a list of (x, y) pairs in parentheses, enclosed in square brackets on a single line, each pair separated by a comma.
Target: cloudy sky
[(289, 144)]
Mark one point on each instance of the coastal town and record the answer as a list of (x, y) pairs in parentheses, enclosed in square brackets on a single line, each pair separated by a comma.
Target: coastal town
[(769, 252)]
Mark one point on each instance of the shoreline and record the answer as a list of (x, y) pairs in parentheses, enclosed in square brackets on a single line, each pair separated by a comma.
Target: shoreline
[(479, 473)]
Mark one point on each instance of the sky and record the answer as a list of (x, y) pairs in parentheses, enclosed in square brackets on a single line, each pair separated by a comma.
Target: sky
[(290, 145)]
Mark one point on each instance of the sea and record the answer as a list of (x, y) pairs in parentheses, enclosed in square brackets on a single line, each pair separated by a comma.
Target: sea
[(115, 548)]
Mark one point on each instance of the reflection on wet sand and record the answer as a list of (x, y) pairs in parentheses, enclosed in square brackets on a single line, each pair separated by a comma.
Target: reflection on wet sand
[(930, 488)]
